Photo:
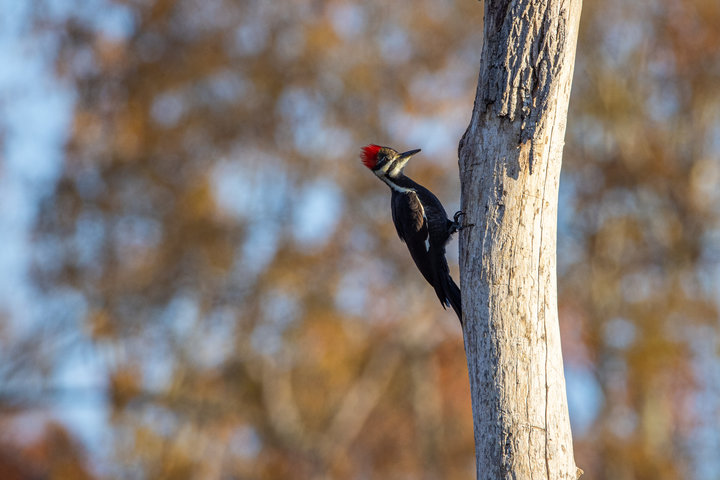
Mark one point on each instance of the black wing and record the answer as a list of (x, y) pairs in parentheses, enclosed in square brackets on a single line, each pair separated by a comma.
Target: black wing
[(427, 248), (412, 228), (438, 223)]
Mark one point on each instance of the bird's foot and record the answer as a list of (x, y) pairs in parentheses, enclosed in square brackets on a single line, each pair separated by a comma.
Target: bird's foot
[(456, 226)]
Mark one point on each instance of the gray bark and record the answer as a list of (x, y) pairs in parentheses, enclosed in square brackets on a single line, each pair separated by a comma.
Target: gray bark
[(510, 159)]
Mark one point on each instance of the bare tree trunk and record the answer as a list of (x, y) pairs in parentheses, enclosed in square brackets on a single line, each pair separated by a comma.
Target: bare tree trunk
[(510, 158)]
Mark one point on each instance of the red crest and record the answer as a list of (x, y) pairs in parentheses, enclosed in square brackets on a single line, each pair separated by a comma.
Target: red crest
[(369, 155)]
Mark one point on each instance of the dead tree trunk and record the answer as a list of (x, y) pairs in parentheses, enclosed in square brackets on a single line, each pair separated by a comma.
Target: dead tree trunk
[(510, 158)]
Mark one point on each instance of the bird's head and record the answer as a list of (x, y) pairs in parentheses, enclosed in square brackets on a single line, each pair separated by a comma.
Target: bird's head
[(384, 161)]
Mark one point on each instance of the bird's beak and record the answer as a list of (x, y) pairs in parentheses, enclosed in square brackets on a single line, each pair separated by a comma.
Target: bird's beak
[(403, 158), (406, 155)]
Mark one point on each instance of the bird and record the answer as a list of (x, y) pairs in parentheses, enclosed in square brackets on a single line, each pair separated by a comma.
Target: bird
[(420, 220)]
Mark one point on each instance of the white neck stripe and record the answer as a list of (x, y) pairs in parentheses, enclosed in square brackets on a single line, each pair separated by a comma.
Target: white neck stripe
[(395, 186)]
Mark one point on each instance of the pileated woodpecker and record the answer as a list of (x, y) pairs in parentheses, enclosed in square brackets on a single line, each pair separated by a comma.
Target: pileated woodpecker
[(420, 221)]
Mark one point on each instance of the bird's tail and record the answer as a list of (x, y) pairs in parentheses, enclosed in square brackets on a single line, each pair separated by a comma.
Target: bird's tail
[(452, 296), (447, 290)]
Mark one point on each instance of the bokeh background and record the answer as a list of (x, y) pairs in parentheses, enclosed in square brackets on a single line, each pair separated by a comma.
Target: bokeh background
[(199, 280)]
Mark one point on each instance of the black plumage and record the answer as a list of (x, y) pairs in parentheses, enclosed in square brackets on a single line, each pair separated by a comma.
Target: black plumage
[(421, 222)]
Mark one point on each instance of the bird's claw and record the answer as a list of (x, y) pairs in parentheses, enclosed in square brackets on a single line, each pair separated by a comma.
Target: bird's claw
[(456, 225)]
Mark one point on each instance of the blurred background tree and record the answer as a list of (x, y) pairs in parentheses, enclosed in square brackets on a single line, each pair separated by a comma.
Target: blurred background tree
[(201, 280)]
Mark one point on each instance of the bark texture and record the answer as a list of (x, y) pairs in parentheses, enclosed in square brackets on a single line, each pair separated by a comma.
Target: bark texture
[(510, 159)]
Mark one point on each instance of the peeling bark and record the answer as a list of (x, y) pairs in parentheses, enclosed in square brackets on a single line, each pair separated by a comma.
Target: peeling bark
[(510, 159)]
